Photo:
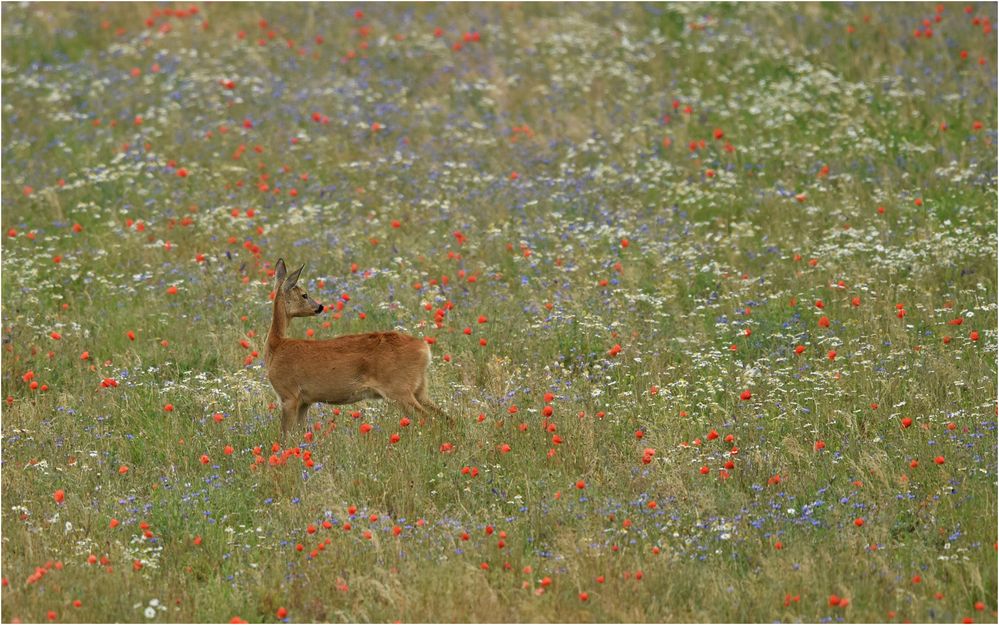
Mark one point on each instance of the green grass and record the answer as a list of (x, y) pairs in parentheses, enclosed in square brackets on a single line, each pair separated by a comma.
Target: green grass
[(577, 101)]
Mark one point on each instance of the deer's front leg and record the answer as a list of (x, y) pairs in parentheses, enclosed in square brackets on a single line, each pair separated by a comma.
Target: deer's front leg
[(289, 414), (303, 416)]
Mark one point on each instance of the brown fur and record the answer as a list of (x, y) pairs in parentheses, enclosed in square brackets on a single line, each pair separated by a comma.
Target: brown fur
[(343, 370)]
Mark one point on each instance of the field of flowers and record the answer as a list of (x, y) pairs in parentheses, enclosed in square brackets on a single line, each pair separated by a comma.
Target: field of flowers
[(711, 292)]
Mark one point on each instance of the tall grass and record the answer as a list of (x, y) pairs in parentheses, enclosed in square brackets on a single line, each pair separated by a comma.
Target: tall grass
[(643, 210)]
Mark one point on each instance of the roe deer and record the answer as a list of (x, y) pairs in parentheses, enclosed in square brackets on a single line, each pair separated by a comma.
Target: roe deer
[(343, 370)]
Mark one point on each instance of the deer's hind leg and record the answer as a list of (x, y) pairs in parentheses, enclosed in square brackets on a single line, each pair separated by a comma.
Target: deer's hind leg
[(408, 402), (424, 400)]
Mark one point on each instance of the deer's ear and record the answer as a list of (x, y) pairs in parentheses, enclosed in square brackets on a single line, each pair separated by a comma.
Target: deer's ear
[(280, 271), (292, 280)]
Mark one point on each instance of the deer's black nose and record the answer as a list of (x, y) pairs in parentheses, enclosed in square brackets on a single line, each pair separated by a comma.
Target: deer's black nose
[(320, 309)]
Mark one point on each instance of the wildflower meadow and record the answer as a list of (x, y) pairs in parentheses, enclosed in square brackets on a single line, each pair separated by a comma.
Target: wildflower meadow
[(710, 291)]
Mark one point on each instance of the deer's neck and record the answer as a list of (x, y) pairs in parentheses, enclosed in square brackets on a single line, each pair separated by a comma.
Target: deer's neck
[(279, 323)]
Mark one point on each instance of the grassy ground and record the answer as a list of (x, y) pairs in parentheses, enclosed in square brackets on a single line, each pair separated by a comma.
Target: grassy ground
[(639, 210)]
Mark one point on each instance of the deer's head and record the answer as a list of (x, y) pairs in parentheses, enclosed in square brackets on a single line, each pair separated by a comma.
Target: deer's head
[(297, 302)]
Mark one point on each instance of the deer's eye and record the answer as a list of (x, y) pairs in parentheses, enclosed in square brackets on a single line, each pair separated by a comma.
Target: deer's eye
[(304, 296)]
